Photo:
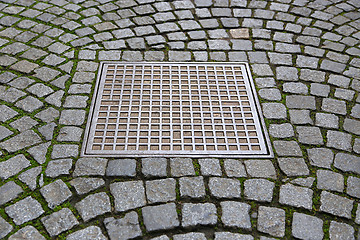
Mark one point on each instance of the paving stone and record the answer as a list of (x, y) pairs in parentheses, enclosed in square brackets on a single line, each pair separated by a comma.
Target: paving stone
[(9, 191), (347, 162), (83, 77), (296, 196), (261, 69), (293, 166), (235, 214), (4, 132), (121, 167), (190, 236), (89, 233), (29, 104), (274, 110), (29, 177), (327, 120), (39, 152), (55, 193), (300, 102), (90, 167), (59, 222), (59, 167), (307, 227), (160, 217), (13, 166), (341, 231), (93, 205), (329, 180), (309, 135), (5, 228), (270, 94), (70, 134), (259, 190), (260, 168), (72, 117), (353, 186), (287, 148), (192, 187), (321, 157), (312, 75), (11, 95), (224, 188), (356, 146), (198, 214), (334, 106), (300, 117), (64, 151), (321, 90), (336, 205), (295, 87), (339, 80), (27, 233), (271, 220), (232, 236), (210, 167), (76, 101), (24, 210), (284, 130), (179, 56), (154, 167), (355, 111), (85, 185), (181, 167), (339, 140), (125, 199), (162, 190), (234, 168)]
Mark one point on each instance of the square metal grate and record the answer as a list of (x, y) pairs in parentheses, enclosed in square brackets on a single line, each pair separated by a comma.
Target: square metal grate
[(175, 109)]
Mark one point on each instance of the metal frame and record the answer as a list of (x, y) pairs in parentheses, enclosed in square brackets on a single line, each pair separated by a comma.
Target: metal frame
[(265, 150)]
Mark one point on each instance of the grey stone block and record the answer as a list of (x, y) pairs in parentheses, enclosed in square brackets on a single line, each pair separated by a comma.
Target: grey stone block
[(5, 228), (121, 167), (181, 167), (296, 196), (320, 90), (236, 214), (284, 130), (190, 236), (59, 167), (29, 177), (300, 102), (353, 186), (327, 120), (333, 106), (339, 231), (210, 167), (329, 180), (20, 141), (128, 195), (90, 167), (287, 148), (154, 167), (9, 191), (260, 168), (352, 126), (234, 168), (224, 188), (55, 193), (24, 210), (309, 135), (300, 117), (160, 217), (162, 190), (307, 227), (321, 157), (293, 166), (13, 166), (93, 205), (259, 190), (85, 185), (192, 187), (198, 214), (232, 236), (28, 233), (91, 232), (271, 220), (274, 110), (339, 140), (64, 151), (59, 222), (347, 163), (336, 205)]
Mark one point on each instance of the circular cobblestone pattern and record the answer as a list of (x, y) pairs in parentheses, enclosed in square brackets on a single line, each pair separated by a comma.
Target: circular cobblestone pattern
[(304, 57)]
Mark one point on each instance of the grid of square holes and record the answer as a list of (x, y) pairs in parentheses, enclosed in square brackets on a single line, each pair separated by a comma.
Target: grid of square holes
[(175, 108)]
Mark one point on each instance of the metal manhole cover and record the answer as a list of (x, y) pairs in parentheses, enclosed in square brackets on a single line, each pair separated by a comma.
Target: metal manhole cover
[(175, 109)]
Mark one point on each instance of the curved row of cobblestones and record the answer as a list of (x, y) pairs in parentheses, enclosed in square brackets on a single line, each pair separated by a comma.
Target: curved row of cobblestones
[(304, 56)]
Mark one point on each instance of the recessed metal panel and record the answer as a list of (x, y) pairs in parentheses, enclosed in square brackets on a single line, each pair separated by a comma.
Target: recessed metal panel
[(175, 109)]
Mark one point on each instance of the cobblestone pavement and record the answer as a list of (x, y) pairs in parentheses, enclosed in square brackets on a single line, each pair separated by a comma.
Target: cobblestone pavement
[(304, 57)]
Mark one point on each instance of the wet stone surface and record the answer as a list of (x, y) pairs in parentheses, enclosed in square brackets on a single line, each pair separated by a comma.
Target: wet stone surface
[(304, 59)]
